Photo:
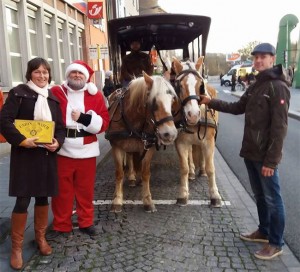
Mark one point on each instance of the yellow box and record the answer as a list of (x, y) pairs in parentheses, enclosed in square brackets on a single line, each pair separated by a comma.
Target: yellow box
[(34, 128)]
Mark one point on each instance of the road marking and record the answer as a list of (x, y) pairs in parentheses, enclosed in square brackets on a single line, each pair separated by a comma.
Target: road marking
[(226, 91), (159, 202)]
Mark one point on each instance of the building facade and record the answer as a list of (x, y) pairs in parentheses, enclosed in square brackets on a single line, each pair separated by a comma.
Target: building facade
[(56, 30)]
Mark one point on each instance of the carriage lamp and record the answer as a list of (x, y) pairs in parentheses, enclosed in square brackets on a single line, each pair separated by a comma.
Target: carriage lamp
[(191, 24)]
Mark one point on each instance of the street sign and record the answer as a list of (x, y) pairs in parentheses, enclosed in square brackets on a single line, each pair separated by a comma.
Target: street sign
[(103, 52), (95, 10), (233, 57), (93, 51)]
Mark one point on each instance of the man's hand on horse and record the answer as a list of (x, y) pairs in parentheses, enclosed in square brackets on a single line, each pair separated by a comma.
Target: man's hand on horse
[(204, 99)]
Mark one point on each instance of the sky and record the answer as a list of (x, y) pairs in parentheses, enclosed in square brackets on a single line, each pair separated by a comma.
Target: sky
[(235, 23)]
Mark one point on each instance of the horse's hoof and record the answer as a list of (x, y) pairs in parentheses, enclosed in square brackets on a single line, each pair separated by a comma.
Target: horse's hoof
[(150, 208), (192, 176), (116, 208), (182, 201), (216, 203), (132, 183)]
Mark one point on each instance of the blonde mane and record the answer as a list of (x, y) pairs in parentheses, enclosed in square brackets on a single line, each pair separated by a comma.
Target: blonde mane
[(139, 91)]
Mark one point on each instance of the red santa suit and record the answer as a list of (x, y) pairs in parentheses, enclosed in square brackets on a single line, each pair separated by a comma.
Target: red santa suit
[(77, 156)]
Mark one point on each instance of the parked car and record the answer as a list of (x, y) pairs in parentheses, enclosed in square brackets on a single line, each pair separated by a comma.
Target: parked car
[(240, 70)]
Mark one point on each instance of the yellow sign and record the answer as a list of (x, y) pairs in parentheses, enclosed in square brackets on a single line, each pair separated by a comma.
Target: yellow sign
[(33, 128)]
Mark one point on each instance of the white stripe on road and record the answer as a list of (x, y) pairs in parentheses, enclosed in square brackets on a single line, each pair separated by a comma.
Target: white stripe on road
[(159, 202)]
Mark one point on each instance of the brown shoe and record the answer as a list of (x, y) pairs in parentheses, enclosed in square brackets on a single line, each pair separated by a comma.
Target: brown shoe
[(268, 252), (255, 236)]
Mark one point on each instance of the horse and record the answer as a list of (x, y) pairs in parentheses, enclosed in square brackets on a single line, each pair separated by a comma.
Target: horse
[(140, 121), (197, 129)]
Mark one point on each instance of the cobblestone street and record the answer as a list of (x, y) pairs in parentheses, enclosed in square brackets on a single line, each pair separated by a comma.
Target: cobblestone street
[(191, 238)]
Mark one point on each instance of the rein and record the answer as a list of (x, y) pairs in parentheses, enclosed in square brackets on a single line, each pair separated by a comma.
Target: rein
[(148, 134)]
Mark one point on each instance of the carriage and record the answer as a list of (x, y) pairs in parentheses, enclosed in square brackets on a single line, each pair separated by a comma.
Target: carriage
[(144, 115), (180, 34)]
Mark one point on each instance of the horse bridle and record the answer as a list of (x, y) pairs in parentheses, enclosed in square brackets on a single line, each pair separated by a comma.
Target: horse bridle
[(183, 124), (149, 138), (183, 102), (149, 141)]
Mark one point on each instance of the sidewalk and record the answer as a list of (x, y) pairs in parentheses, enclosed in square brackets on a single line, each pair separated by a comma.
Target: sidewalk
[(242, 205)]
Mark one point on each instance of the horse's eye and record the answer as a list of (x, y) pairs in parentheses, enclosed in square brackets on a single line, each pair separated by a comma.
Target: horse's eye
[(154, 105), (170, 92)]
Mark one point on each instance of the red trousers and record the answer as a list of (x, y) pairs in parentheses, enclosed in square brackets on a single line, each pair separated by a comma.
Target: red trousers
[(76, 179)]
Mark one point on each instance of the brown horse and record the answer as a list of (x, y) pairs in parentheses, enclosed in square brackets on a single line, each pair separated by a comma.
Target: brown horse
[(140, 120), (197, 126)]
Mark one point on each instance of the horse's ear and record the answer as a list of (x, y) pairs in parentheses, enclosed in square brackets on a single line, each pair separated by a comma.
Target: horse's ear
[(177, 65), (148, 80), (199, 63)]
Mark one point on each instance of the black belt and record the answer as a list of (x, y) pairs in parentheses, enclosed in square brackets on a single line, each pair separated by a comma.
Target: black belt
[(74, 133)]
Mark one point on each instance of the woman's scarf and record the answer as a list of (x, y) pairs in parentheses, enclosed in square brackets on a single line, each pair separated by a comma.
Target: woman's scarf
[(41, 109)]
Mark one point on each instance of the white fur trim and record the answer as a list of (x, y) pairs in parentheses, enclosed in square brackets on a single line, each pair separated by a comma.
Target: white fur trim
[(74, 148), (77, 67), (96, 123), (92, 88)]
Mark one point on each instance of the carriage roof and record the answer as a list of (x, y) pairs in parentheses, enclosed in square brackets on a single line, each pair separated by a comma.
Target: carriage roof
[(165, 31)]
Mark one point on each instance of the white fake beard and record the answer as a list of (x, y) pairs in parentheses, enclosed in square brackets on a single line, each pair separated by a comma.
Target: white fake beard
[(76, 84)]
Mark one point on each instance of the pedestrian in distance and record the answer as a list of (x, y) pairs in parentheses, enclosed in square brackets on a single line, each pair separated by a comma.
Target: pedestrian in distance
[(265, 105), (109, 85), (33, 166), (84, 115), (134, 63), (233, 81)]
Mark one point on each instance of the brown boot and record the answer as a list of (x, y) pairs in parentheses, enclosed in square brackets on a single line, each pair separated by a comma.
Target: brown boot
[(40, 226), (18, 223)]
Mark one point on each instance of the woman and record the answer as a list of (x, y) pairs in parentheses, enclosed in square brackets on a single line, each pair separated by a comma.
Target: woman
[(33, 168)]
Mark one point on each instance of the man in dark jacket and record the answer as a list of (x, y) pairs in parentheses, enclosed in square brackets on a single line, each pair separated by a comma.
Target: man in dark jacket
[(265, 104), (233, 81), (135, 63), (109, 85)]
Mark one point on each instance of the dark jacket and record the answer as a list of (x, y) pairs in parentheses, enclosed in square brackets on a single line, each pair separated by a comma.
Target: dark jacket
[(133, 64), (109, 87), (33, 171), (265, 104)]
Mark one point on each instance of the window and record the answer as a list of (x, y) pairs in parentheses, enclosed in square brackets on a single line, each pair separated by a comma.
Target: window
[(72, 37), (14, 43), (31, 12), (80, 44), (49, 43), (62, 45)]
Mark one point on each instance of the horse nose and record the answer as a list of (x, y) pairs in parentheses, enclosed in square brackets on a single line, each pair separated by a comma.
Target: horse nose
[(193, 114), (169, 136), (193, 117)]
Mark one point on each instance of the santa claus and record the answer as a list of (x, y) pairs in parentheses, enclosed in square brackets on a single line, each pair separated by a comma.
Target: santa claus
[(85, 115)]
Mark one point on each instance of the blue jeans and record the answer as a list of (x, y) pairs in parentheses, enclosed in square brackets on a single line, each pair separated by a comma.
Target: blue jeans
[(269, 203)]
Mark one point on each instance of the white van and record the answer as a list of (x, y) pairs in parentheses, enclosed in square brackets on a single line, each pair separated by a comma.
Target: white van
[(239, 70)]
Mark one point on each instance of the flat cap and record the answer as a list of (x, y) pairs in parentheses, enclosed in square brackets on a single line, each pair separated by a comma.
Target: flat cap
[(265, 48)]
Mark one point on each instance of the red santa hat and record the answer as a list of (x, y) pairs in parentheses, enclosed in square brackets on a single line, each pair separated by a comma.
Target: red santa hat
[(79, 65)]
